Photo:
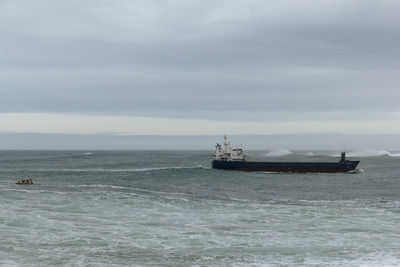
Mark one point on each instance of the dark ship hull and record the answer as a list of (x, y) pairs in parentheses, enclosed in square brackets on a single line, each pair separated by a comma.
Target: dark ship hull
[(299, 167)]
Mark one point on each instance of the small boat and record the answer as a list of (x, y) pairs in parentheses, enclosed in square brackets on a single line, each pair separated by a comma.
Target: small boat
[(24, 182)]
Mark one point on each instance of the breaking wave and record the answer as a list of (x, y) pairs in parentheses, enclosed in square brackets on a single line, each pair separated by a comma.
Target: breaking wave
[(369, 153), (165, 168), (278, 153), (107, 170), (372, 153)]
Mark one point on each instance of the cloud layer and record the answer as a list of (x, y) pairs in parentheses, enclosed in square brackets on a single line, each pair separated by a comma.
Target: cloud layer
[(214, 60)]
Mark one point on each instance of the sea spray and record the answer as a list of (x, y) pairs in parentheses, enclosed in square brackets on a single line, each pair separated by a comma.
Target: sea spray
[(278, 153), (371, 153)]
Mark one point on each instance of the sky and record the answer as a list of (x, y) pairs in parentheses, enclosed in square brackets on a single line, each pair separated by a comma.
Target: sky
[(210, 67)]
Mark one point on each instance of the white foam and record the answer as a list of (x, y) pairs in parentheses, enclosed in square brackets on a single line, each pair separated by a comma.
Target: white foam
[(278, 153), (106, 170), (9, 263), (167, 168), (372, 153), (356, 171), (367, 153), (99, 185), (127, 187)]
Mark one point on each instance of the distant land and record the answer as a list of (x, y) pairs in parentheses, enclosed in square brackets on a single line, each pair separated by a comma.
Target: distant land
[(47, 141)]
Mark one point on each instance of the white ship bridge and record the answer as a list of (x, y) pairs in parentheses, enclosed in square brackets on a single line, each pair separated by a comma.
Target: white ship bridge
[(228, 153)]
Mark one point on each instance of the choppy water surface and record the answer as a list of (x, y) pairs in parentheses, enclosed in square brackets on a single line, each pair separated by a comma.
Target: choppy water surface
[(170, 208)]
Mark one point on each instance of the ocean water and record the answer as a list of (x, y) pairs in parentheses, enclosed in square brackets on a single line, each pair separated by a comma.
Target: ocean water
[(169, 208)]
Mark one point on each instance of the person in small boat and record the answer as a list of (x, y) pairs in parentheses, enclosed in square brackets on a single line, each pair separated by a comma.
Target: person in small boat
[(23, 181)]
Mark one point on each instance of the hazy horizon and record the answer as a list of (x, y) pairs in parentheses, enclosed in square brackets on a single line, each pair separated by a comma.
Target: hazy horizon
[(37, 141), (199, 68)]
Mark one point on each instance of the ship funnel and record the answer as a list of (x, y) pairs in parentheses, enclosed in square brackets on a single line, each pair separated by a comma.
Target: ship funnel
[(343, 157)]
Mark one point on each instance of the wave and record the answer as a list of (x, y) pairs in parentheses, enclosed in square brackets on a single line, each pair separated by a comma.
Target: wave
[(372, 153), (172, 195), (356, 171), (167, 168), (99, 185), (107, 170), (278, 153), (364, 153)]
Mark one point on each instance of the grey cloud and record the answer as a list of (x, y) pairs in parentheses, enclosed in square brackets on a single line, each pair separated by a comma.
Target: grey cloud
[(203, 59)]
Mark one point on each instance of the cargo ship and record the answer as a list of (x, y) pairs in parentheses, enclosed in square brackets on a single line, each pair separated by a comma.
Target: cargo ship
[(233, 158)]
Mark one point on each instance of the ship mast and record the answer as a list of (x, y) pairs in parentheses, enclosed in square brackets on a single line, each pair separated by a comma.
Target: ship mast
[(225, 142)]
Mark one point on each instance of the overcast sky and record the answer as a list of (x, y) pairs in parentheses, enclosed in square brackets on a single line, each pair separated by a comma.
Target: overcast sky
[(200, 67)]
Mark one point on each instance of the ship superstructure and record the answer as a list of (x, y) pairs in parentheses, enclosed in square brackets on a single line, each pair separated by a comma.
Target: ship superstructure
[(228, 153)]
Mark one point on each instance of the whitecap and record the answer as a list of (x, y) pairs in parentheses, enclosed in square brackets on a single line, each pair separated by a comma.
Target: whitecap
[(108, 170), (368, 153)]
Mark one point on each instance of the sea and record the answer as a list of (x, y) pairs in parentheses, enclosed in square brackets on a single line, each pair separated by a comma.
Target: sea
[(169, 208)]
